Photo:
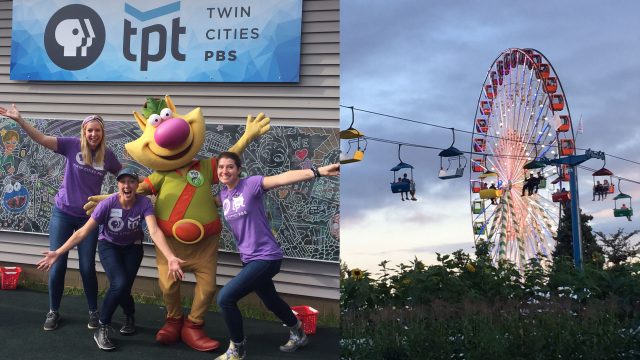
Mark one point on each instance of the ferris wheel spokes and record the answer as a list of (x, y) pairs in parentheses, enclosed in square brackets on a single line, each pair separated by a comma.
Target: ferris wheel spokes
[(520, 118)]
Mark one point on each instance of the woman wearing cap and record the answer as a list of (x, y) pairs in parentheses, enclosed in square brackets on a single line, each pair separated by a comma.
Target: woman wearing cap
[(88, 161), (120, 250), (241, 203)]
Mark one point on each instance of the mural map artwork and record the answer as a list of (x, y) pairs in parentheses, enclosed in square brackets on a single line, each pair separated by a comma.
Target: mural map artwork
[(304, 217)]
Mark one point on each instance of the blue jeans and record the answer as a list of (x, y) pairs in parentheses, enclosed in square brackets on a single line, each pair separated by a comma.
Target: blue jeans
[(255, 276), (61, 227), (121, 264)]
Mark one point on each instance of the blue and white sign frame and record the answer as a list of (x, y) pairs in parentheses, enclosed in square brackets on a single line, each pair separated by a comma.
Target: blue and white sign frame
[(149, 41)]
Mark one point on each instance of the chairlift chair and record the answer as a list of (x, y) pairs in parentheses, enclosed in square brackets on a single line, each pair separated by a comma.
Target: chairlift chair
[(534, 165), (351, 134), (358, 154), (490, 193), (604, 172), (401, 186), (452, 154), (623, 210), (543, 183), (561, 196)]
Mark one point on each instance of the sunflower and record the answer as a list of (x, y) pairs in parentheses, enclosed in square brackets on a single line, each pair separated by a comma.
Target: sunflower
[(357, 274), (470, 267)]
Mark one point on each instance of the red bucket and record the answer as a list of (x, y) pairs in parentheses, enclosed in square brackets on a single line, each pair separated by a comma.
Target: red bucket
[(10, 276), (308, 316)]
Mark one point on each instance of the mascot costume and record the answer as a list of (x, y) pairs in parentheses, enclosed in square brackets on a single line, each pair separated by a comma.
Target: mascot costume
[(185, 208)]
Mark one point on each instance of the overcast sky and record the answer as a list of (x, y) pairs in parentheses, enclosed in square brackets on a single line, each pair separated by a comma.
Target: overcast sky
[(427, 60)]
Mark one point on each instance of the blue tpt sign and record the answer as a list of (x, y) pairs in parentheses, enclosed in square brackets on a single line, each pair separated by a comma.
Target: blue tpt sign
[(177, 41)]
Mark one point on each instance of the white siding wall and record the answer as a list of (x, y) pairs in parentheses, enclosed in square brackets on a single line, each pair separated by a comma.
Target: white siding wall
[(312, 102)]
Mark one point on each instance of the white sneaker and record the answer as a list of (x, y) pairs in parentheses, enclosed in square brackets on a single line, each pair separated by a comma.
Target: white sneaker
[(297, 338), (235, 351)]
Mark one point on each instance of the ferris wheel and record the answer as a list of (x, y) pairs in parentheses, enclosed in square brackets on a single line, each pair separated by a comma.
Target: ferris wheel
[(522, 116)]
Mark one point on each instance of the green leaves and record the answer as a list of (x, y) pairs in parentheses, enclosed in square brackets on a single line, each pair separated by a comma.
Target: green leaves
[(153, 106), (472, 308)]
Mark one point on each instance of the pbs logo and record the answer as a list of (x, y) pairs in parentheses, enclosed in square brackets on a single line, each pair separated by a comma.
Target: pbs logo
[(74, 37)]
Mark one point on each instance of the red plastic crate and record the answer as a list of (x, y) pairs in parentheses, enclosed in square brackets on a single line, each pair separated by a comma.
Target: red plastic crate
[(10, 276), (308, 316)]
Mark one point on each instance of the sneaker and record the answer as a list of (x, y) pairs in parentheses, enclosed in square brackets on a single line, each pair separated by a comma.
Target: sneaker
[(51, 323), (297, 339), (94, 317), (128, 325), (101, 336), (236, 351)]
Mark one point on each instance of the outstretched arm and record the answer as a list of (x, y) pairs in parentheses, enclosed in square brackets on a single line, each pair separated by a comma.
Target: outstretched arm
[(161, 242), (255, 127), (50, 142), (50, 257), (294, 176)]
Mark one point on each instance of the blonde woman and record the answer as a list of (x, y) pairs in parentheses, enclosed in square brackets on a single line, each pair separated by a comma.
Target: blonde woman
[(87, 162)]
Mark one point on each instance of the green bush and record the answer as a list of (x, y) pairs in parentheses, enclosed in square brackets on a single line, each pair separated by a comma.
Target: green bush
[(464, 308)]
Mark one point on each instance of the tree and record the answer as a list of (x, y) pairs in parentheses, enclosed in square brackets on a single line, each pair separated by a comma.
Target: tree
[(618, 247), (591, 251)]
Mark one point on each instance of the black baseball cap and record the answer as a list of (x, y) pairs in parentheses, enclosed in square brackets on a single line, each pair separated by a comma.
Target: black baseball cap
[(127, 171)]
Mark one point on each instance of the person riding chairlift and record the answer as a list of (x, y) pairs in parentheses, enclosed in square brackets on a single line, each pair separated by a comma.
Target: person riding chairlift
[(624, 207), (605, 188), (597, 190), (404, 179)]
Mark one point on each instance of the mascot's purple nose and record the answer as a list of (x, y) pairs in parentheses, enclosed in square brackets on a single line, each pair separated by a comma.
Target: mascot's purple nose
[(172, 133)]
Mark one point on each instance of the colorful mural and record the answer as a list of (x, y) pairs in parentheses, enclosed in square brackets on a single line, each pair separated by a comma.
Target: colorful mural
[(304, 217)]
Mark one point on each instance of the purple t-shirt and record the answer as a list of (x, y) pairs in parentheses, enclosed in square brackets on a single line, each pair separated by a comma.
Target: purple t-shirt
[(122, 226), (80, 180), (244, 212)]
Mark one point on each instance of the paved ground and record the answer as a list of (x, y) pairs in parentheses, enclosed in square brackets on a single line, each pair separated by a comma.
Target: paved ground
[(22, 314)]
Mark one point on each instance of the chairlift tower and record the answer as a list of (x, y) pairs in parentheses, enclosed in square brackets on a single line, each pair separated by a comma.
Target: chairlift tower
[(576, 228)]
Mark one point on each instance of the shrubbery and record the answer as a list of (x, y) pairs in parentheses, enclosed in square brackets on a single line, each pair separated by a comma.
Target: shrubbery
[(471, 308)]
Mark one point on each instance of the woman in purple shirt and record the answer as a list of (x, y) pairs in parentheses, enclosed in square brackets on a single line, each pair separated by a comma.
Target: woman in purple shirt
[(241, 203), (120, 250), (87, 162)]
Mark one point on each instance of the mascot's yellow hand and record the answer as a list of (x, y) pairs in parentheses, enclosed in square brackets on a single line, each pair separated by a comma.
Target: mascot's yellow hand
[(93, 202), (256, 126)]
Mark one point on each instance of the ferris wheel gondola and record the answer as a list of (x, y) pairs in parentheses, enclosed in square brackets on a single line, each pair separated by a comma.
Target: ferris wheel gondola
[(522, 116)]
